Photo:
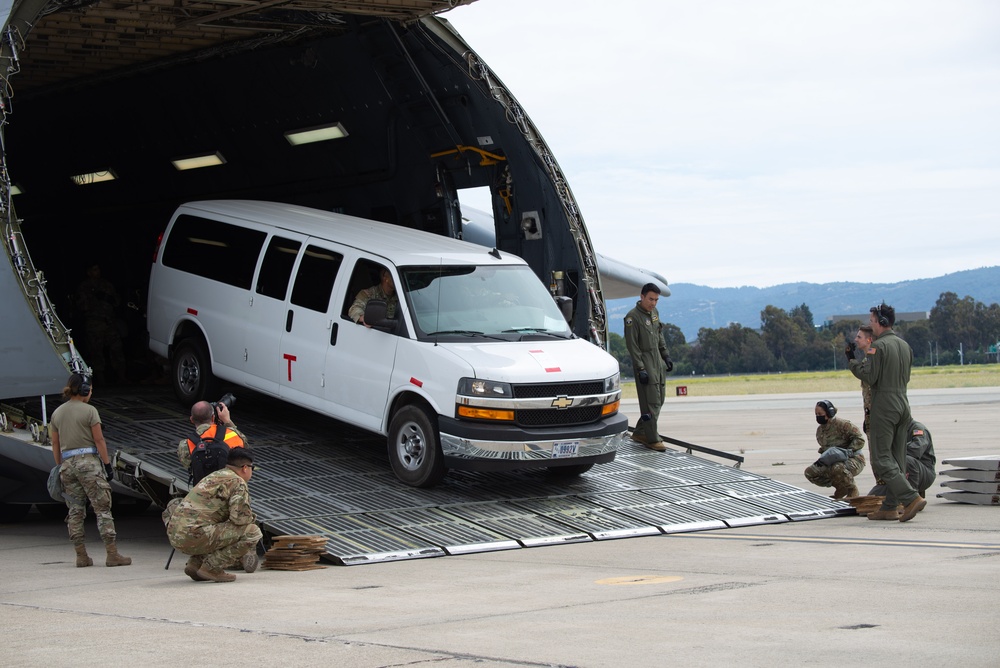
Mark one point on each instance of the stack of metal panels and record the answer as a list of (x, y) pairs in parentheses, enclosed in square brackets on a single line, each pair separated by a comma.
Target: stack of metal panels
[(978, 480)]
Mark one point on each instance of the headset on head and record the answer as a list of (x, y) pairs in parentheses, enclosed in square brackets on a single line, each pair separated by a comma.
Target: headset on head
[(85, 385), (827, 407), (883, 321)]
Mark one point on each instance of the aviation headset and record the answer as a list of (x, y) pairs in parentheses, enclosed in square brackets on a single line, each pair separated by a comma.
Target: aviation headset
[(883, 321), (85, 386), (827, 407)]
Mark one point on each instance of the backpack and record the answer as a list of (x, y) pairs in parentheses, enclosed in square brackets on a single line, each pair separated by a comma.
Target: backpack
[(209, 454)]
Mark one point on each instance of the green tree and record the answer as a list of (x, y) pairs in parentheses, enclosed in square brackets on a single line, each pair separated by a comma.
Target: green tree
[(782, 336)]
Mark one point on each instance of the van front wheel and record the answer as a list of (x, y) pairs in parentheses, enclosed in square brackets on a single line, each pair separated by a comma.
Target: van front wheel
[(191, 372), (413, 448)]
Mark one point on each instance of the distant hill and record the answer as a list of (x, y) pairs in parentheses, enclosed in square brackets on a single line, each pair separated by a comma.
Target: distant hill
[(692, 307)]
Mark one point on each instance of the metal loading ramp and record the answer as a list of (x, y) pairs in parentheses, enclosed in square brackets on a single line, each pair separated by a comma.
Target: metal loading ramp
[(317, 476)]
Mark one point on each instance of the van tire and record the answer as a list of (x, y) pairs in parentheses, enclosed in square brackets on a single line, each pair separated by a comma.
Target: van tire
[(414, 451), (191, 372)]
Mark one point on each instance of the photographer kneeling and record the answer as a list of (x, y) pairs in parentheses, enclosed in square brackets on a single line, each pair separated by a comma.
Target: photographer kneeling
[(215, 433)]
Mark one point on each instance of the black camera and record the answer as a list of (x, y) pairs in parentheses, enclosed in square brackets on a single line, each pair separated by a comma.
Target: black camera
[(227, 400)]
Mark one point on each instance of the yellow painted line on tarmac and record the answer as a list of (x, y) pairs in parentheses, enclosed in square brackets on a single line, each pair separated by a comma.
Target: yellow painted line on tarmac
[(639, 580), (842, 541)]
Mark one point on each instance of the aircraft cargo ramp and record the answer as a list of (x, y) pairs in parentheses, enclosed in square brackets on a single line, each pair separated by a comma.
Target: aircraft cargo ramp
[(317, 476)]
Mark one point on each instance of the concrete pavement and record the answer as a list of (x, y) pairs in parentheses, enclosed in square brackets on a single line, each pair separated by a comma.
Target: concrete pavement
[(829, 592)]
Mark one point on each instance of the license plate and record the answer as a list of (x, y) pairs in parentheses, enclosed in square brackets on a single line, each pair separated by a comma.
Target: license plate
[(565, 449)]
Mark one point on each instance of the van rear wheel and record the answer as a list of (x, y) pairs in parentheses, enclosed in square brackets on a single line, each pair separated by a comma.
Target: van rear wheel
[(414, 451), (191, 372)]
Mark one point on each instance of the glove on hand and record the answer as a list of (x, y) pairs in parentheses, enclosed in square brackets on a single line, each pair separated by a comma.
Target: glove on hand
[(666, 360), (849, 351), (643, 377), (109, 472)]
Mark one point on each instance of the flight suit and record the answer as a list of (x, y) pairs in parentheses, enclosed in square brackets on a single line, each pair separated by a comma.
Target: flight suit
[(646, 347), (886, 368)]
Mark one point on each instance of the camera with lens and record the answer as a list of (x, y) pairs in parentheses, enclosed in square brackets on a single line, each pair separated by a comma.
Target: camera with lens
[(227, 400)]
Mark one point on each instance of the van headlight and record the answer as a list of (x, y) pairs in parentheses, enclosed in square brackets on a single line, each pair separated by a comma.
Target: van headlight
[(477, 387), (612, 383)]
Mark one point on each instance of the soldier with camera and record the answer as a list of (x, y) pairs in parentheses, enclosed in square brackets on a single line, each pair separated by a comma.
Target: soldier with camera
[(215, 434)]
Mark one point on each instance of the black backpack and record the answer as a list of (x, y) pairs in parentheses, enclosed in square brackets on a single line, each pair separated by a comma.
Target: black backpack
[(209, 454)]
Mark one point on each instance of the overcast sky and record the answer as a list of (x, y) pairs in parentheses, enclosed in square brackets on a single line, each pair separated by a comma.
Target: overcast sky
[(730, 143)]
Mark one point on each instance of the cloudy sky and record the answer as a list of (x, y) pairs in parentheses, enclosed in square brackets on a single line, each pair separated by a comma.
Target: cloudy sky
[(730, 143)]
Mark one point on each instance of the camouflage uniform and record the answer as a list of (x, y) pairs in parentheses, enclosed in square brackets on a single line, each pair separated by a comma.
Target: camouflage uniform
[(886, 367), (83, 479), (842, 434), (82, 476), (644, 340), (184, 450), (215, 521), (375, 292)]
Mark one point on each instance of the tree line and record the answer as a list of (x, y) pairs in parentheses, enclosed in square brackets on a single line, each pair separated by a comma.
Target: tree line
[(959, 331)]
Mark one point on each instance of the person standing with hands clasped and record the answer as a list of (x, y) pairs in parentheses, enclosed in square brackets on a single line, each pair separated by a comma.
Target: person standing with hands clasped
[(886, 368), (81, 452), (650, 362)]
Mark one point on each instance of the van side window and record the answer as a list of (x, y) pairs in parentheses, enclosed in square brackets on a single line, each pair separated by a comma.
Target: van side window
[(214, 250), (276, 269), (314, 280)]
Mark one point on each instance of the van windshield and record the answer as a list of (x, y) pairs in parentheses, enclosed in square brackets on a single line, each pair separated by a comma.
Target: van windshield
[(470, 301)]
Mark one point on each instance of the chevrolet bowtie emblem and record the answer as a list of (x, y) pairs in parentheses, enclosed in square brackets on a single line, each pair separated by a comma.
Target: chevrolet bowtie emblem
[(562, 402)]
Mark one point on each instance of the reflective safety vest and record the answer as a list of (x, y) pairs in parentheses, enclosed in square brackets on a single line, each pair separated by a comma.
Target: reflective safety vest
[(230, 438)]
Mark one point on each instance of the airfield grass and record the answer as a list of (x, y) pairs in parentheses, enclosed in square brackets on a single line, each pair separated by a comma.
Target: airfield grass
[(934, 377)]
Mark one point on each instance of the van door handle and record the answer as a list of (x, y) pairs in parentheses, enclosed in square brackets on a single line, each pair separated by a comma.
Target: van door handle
[(333, 334), (288, 321)]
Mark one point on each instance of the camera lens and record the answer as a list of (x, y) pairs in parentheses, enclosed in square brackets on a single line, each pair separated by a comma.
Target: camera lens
[(228, 400)]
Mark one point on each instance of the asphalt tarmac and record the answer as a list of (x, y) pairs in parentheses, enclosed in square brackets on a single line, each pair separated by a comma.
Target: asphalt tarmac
[(831, 592)]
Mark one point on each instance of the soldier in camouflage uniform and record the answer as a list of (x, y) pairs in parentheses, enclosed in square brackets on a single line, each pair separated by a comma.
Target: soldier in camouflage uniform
[(385, 290), (81, 452), (650, 362), (886, 367), (857, 351), (839, 433), (215, 524)]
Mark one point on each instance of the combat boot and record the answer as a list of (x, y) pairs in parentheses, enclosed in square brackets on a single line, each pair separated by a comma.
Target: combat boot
[(192, 567), (250, 561), (115, 559), (883, 515), (82, 558), (207, 572), (852, 492), (912, 509)]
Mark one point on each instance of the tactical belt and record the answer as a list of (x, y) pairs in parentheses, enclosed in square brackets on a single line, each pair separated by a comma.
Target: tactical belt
[(79, 451)]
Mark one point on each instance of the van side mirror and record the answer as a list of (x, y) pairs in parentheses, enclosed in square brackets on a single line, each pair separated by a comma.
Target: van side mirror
[(376, 315), (564, 303)]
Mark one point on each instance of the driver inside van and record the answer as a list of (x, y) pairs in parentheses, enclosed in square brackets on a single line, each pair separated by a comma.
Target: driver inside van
[(385, 289)]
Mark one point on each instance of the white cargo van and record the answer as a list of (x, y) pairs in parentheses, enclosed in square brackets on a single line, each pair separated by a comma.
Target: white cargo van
[(474, 368)]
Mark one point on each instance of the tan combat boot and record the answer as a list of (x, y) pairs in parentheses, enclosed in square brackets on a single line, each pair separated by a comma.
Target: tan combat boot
[(207, 572), (82, 558), (115, 559), (852, 492), (192, 567)]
